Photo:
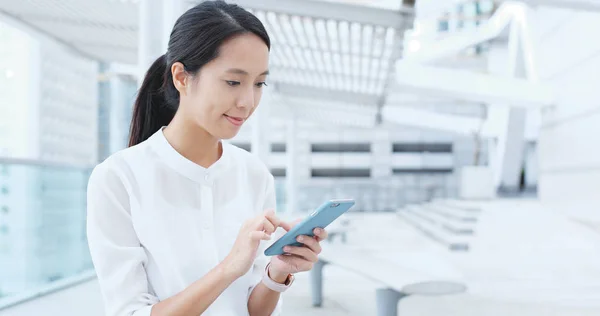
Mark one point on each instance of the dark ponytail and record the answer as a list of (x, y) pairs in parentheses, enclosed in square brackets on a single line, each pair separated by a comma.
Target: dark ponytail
[(151, 111), (194, 41)]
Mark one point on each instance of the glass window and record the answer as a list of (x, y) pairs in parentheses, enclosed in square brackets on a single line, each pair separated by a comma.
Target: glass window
[(341, 147), (278, 172), (4, 170), (278, 147), (340, 173), (422, 147), (245, 146)]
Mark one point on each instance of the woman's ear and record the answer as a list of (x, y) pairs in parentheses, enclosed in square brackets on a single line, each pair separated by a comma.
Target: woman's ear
[(180, 78)]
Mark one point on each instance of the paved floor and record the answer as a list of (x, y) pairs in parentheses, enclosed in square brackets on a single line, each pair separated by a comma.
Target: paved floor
[(525, 261), (347, 295)]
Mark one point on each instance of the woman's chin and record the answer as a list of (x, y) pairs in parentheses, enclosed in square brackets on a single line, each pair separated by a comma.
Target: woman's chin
[(228, 133)]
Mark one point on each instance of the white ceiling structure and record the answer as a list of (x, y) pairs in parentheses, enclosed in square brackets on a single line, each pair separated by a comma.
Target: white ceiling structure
[(587, 5), (338, 57), (332, 51), (335, 63), (100, 29), (416, 72)]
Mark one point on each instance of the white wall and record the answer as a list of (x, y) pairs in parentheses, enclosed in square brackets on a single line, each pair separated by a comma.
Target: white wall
[(56, 92), (68, 106), (17, 83), (569, 149)]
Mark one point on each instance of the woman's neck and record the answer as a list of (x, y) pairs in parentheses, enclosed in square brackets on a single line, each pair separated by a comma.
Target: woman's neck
[(193, 142)]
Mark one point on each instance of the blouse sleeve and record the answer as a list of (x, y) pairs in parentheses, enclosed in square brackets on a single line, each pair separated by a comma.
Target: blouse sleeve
[(261, 260), (116, 253)]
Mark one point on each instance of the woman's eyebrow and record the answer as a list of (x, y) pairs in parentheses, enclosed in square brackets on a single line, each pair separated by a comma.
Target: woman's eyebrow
[(243, 72)]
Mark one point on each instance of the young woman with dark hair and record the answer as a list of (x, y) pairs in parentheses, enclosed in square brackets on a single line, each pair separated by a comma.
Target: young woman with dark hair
[(176, 221)]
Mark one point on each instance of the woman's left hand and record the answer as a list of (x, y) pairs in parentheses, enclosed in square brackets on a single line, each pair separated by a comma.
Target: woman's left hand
[(298, 259)]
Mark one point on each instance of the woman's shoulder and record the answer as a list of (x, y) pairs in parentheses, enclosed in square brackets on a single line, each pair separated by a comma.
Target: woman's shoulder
[(114, 167), (250, 161)]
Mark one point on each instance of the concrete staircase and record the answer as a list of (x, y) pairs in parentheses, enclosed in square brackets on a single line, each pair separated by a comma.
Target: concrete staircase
[(446, 222)]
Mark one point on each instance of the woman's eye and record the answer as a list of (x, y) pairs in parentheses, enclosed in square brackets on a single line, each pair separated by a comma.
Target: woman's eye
[(261, 84), (232, 83)]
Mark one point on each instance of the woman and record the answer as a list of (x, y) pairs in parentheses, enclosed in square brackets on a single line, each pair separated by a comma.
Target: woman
[(175, 221)]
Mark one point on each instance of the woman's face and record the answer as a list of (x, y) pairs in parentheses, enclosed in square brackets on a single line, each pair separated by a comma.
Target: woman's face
[(227, 90)]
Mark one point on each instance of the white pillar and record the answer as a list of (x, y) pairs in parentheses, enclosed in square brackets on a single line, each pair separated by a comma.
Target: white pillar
[(531, 165), (381, 171), (513, 160), (260, 128), (381, 156), (150, 33), (291, 178), (509, 61), (173, 9), (117, 107)]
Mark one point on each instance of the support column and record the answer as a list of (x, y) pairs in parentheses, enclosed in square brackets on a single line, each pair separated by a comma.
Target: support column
[(316, 276), (150, 33), (381, 155), (513, 160), (381, 172), (291, 152), (117, 130), (511, 141), (173, 9), (387, 302), (261, 145)]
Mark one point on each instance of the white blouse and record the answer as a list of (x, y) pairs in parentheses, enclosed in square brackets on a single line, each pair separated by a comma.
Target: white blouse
[(157, 222)]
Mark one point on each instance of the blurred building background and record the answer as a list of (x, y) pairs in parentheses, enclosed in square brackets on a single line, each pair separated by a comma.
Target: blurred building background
[(403, 105)]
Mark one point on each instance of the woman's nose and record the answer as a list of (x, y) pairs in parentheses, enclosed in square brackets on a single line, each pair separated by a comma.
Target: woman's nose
[(246, 100)]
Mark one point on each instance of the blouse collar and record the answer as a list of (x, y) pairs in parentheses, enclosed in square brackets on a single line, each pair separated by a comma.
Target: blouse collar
[(184, 166)]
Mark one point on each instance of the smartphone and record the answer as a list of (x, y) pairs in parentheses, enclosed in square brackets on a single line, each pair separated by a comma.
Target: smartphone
[(320, 218)]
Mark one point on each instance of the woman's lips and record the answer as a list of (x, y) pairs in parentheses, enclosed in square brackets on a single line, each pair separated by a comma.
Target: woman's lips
[(234, 120)]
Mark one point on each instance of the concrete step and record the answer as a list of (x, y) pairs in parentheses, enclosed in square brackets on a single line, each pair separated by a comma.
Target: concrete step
[(432, 230), (450, 225), (473, 207), (453, 214)]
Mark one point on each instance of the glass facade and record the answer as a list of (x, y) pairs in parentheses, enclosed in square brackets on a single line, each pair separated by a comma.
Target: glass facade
[(42, 226), (47, 147), (17, 76)]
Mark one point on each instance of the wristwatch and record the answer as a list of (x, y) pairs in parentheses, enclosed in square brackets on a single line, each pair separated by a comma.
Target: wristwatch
[(277, 287)]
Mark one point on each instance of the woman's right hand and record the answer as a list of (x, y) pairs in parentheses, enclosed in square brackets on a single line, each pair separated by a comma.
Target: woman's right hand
[(253, 231)]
